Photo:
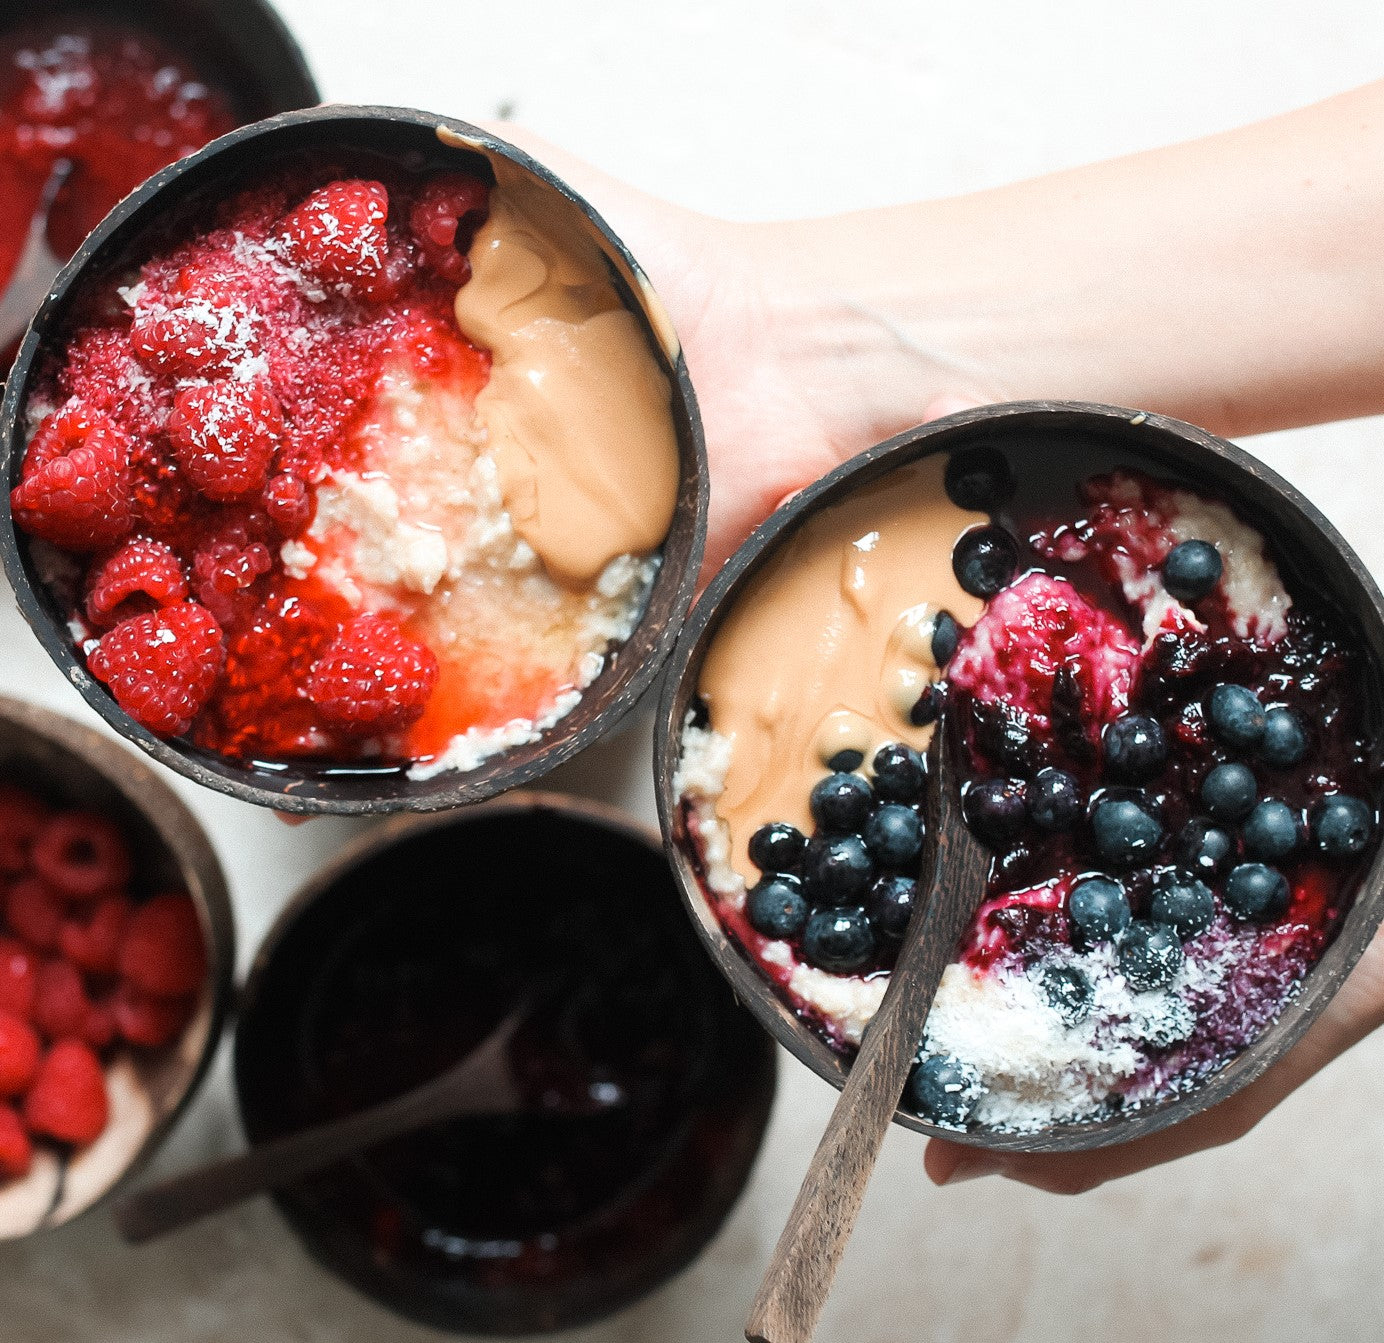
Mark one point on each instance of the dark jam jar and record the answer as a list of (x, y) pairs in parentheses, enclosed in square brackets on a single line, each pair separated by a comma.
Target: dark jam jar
[(402, 962)]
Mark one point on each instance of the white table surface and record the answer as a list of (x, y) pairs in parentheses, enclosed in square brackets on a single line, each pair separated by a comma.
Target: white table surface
[(757, 109)]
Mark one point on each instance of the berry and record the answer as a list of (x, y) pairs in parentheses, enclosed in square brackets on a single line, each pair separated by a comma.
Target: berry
[(21, 817), (93, 943), (1150, 956), (1068, 989), (944, 1089), (1054, 799), (224, 434), (1125, 830), (1099, 908), (890, 905), (225, 567), (79, 855), (162, 951), (978, 479), (1192, 570), (995, 810), (18, 978), (147, 1020), (840, 803), (1236, 716), (1187, 907), (288, 504), (19, 1053), (1342, 825), (16, 1151), (373, 677), (34, 914), (68, 1098), (928, 706), (1206, 849), (1228, 792), (899, 773), (777, 848), (140, 576), (1255, 892), (837, 870), (984, 560), (844, 762), (99, 1028), (1134, 748), (894, 835), (946, 634), (839, 940), (75, 490), (776, 908), (1285, 739), (199, 337), (60, 1003), (162, 666), (444, 220), (338, 234), (1272, 831)]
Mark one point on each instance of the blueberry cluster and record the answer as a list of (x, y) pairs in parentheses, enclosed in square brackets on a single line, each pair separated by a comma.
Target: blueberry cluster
[(844, 896)]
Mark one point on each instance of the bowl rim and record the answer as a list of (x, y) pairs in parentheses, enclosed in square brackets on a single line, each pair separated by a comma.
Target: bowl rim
[(638, 659), (1150, 430)]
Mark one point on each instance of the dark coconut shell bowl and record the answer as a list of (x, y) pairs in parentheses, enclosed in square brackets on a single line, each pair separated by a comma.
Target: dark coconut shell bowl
[(69, 765), (398, 959), (1308, 550), (165, 209)]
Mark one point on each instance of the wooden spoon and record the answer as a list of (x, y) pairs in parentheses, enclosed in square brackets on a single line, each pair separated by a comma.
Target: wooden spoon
[(800, 1274), (37, 266)]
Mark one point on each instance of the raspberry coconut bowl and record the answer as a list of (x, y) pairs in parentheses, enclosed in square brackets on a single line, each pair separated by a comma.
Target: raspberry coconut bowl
[(1167, 667), (354, 467)]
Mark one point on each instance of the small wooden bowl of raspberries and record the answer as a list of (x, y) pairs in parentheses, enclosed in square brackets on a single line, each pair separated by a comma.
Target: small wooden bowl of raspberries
[(116, 955)]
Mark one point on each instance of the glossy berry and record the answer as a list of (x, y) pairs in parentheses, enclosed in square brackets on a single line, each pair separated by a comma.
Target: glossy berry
[(837, 870), (162, 950), (777, 847), (1187, 906), (338, 234), (1068, 989), (995, 810), (1134, 748), (1054, 799), (894, 835), (899, 773), (288, 504), (443, 221), (1236, 716), (946, 634), (776, 907), (16, 1151), (840, 803), (984, 560), (1272, 831), (19, 1054), (845, 762), (1192, 570), (1205, 849), (839, 940), (1150, 956), (890, 905), (225, 434), (978, 479), (1256, 893), (928, 706), (140, 575), (944, 1089), (373, 677), (68, 1098), (18, 978), (1098, 908), (1228, 792), (1342, 825), (1125, 831), (79, 855), (1285, 740)]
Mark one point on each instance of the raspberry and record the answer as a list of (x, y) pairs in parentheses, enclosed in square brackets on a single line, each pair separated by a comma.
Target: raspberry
[(99, 1028), (18, 978), (162, 666), (400, 266), (16, 1151), (21, 816), (224, 434), (373, 677), (93, 944), (19, 1051), (61, 1003), (144, 1019), (225, 568), (75, 488), (140, 576), (444, 220), (199, 337), (338, 233), (288, 503), (80, 855), (68, 1098), (162, 951), (33, 913)]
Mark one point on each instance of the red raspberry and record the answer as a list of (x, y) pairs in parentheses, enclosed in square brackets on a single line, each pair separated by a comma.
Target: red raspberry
[(140, 576), (200, 336), (18, 978), (34, 914), (80, 855), (162, 666), (99, 1028), (93, 944), (61, 1004), (373, 677), (288, 503), (16, 1151), (21, 817), (338, 234), (400, 266), (162, 951), (68, 1098), (224, 569), (144, 1019), (444, 220), (225, 434), (75, 490), (19, 1051)]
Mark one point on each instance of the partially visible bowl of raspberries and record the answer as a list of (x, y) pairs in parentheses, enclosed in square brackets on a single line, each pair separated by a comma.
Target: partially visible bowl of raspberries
[(116, 955)]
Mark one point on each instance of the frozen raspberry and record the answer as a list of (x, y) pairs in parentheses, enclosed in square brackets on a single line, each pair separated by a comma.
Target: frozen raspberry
[(18, 978), (16, 1151), (197, 337), (444, 220), (225, 434), (225, 568), (34, 914), (400, 266), (145, 1019), (92, 943), (61, 1003), (80, 855), (19, 1051), (162, 666), (21, 817), (162, 950), (68, 1098), (140, 576), (288, 503), (338, 234), (75, 487), (373, 677)]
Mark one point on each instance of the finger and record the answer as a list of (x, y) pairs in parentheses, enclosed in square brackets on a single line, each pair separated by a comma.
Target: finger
[(292, 818), (947, 405)]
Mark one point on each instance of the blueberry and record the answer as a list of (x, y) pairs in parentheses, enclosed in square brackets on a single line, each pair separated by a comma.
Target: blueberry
[(899, 773), (1125, 830), (1236, 716), (840, 803), (944, 1089), (984, 560), (1228, 792), (843, 762), (1206, 849), (1134, 748), (1192, 570), (840, 940), (1004, 735), (777, 847), (995, 810), (1185, 906), (890, 905), (1272, 831), (1054, 799), (978, 479), (945, 636), (1285, 739), (1069, 991), (894, 834), (1253, 891), (1099, 908), (1341, 825), (1150, 956), (776, 907), (836, 870), (929, 707)]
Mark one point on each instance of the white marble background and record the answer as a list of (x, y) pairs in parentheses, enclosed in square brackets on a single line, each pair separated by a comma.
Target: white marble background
[(756, 109)]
